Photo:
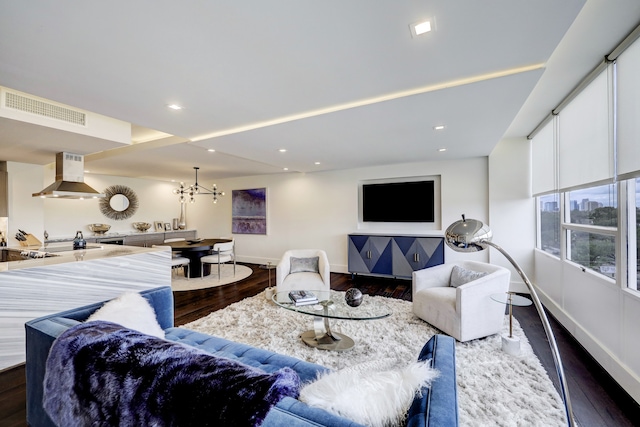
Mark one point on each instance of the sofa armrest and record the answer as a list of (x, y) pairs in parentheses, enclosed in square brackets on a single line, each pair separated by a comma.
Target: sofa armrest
[(477, 291), (324, 269), (489, 284), (432, 277), (293, 413), (41, 332), (282, 270), (438, 405)]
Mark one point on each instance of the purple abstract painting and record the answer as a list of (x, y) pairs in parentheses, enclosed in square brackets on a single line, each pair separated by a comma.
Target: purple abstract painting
[(249, 211)]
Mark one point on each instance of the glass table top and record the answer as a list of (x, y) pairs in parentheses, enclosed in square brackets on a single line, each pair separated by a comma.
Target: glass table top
[(511, 298), (332, 305)]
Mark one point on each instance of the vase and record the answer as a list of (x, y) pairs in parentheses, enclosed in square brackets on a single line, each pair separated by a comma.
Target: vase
[(182, 222)]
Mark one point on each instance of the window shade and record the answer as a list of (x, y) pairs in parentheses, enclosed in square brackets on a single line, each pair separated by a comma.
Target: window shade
[(628, 92), (544, 160), (585, 142)]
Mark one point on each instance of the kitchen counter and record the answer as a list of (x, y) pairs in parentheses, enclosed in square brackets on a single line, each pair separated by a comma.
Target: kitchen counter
[(70, 255), (36, 287), (90, 235)]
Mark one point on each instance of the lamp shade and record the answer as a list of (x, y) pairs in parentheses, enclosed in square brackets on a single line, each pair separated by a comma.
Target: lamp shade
[(468, 235)]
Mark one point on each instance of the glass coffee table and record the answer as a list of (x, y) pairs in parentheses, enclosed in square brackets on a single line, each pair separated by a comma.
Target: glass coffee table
[(332, 305)]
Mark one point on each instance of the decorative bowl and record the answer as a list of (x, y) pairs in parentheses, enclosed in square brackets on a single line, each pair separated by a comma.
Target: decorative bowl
[(99, 228), (141, 226)]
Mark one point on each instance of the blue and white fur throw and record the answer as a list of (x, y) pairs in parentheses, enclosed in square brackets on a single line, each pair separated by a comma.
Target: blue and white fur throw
[(102, 374)]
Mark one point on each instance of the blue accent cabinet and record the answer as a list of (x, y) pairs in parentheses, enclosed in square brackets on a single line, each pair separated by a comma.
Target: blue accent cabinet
[(393, 255)]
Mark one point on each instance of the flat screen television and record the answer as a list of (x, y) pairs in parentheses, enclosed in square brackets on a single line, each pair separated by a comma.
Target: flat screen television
[(398, 202)]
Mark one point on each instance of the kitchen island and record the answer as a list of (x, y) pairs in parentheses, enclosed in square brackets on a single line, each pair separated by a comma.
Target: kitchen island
[(34, 287)]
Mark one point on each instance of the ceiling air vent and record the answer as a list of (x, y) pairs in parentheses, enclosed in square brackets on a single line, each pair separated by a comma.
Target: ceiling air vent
[(44, 109)]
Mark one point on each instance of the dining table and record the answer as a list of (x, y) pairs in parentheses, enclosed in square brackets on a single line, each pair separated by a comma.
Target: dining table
[(194, 249)]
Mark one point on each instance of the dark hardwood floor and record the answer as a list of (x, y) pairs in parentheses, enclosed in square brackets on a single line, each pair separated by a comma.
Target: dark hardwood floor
[(597, 400)]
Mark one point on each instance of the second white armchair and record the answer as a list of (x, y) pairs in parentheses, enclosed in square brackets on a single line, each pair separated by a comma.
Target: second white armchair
[(453, 298), (297, 270)]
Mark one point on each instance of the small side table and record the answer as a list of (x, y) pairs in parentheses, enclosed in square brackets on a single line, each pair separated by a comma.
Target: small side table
[(511, 344), (269, 291), (268, 266)]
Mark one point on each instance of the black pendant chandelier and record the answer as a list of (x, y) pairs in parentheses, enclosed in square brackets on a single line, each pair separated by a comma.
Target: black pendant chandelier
[(189, 192)]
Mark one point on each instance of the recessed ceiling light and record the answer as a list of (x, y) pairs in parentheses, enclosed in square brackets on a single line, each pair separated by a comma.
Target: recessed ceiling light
[(174, 106), (420, 28), (438, 127), (283, 150), (211, 150), (442, 150), (317, 163), (286, 169)]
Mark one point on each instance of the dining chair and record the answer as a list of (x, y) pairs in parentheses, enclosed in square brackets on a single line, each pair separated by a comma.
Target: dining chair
[(177, 261), (175, 239), (221, 253), (175, 254)]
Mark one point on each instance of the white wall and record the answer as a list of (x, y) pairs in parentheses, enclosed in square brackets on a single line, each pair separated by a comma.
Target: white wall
[(62, 218), (318, 210), (601, 315), (304, 210), (25, 212), (511, 207), (156, 202)]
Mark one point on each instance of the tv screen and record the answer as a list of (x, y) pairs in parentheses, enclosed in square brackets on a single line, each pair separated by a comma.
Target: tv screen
[(398, 202)]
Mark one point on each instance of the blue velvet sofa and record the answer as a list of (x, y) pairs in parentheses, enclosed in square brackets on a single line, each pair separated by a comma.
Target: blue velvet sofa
[(437, 405)]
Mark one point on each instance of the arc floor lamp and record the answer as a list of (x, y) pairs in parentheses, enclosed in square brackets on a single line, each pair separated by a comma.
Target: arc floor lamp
[(471, 235)]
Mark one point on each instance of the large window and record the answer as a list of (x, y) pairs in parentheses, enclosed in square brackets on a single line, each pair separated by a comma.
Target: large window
[(593, 250), (592, 137), (589, 220), (594, 206), (634, 235), (591, 242), (549, 220)]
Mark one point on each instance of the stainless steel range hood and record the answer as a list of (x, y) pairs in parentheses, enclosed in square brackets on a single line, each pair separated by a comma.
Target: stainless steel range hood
[(69, 182)]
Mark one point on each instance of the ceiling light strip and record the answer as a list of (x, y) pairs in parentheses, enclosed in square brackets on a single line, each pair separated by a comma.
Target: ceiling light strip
[(370, 101)]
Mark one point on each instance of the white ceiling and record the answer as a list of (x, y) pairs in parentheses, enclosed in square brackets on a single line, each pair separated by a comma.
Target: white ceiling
[(335, 82)]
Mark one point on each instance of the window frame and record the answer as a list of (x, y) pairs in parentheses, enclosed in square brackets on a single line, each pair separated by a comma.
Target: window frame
[(567, 226)]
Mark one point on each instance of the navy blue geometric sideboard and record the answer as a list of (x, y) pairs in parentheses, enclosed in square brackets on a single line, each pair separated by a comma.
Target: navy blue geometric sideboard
[(393, 255)]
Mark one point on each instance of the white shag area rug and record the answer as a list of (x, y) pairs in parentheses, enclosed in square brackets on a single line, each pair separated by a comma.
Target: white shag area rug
[(494, 388), (180, 283)]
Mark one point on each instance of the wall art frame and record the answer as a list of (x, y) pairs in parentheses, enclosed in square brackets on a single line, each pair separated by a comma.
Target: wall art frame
[(158, 225), (249, 211)]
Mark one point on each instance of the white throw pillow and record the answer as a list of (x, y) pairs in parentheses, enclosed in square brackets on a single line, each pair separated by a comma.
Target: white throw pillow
[(373, 393), (132, 311), (460, 276)]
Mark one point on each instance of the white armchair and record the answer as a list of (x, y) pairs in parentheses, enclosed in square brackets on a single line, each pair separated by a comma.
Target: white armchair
[(286, 280), (467, 311)]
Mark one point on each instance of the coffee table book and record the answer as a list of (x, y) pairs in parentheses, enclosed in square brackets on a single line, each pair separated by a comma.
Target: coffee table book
[(303, 298)]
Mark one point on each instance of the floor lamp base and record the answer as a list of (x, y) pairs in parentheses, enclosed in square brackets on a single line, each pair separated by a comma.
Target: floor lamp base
[(511, 345)]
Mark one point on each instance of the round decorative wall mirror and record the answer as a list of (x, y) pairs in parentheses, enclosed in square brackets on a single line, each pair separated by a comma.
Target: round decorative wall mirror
[(120, 202)]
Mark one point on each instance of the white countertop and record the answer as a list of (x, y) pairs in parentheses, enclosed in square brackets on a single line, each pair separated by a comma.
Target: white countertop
[(105, 251)]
